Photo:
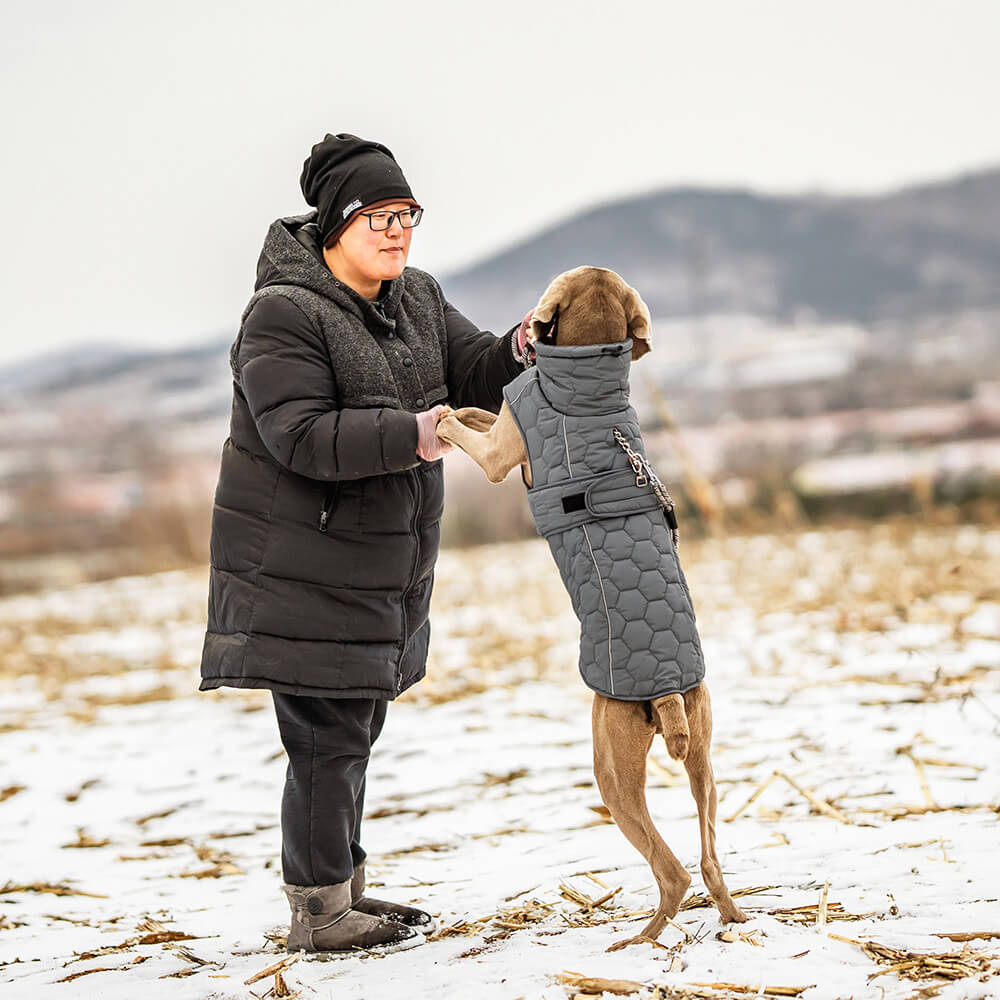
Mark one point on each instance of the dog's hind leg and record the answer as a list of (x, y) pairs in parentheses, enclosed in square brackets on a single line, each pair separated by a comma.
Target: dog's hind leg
[(698, 763), (622, 737)]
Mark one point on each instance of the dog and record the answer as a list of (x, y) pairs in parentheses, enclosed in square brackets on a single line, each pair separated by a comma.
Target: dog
[(594, 313)]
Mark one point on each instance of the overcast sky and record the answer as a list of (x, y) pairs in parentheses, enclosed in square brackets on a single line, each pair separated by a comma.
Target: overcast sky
[(148, 146)]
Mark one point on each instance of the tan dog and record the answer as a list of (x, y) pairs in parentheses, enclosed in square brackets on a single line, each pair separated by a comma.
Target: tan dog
[(585, 306)]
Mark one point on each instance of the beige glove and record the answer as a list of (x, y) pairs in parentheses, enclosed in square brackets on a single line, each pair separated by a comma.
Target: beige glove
[(429, 446)]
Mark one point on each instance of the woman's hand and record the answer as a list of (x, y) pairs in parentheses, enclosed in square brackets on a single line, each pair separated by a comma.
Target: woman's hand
[(524, 330), (522, 344), (429, 446)]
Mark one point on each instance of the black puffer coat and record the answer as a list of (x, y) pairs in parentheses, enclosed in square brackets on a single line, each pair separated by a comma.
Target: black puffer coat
[(326, 524)]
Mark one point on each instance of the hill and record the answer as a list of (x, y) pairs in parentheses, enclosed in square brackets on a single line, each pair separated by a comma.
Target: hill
[(925, 250)]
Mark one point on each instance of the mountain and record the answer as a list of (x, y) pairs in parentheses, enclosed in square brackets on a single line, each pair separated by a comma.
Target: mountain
[(896, 259), (79, 361), (925, 250)]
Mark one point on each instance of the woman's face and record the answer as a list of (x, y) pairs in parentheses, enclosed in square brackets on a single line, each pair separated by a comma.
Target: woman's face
[(375, 255)]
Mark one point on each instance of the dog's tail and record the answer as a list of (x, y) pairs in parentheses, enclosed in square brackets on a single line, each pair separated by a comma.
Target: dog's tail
[(673, 721)]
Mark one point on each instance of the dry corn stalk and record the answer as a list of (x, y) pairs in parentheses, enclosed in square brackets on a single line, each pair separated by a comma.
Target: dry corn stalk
[(767, 991), (162, 814), (275, 968), (923, 965), (511, 919), (56, 889), (821, 804), (747, 937), (195, 965), (918, 766), (969, 935), (595, 986), (280, 990), (804, 915), (156, 933), (83, 839), (138, 960), (215, 871), (821, 909), (697, 899), (584, 901), (517, 918)]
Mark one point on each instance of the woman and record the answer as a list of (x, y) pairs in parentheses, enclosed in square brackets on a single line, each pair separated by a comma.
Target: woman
[(327, 514)]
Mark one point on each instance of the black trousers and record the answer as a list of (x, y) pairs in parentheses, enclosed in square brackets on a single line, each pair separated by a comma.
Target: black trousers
[(328, 741)]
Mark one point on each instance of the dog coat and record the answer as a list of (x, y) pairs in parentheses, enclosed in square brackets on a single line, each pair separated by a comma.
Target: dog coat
[(609, 538)]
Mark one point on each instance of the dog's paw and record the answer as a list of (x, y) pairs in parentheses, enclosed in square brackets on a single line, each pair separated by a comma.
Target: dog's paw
[(732, 914), (639, 939), (474, 418), (445, 427)]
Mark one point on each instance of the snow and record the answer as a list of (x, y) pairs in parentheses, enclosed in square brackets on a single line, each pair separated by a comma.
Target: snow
[(480, 792)]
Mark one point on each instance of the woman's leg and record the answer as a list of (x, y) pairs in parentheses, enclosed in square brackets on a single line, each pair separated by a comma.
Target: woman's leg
[(375, 728), (328, 741), (408, 915)]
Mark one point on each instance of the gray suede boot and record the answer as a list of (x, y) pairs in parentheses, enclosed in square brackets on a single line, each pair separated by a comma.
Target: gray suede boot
[(419, 920), (323, 922)]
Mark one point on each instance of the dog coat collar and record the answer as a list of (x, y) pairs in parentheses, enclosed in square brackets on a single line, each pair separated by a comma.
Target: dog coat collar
[(584, 380)]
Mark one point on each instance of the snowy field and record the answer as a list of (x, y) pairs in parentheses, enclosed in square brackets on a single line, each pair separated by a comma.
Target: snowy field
[(857, 752)]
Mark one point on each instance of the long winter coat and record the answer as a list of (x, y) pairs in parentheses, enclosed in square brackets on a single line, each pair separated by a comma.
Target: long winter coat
[(326, 524)]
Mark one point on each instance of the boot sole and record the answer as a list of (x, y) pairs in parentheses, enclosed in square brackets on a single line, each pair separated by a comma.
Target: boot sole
[(377, 949)]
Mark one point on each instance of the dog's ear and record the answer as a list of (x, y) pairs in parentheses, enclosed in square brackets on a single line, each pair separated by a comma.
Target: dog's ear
[(544, 331), (547, 311), (640, 327)]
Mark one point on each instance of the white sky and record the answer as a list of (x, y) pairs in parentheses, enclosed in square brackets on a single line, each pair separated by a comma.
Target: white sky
[(148, 146)]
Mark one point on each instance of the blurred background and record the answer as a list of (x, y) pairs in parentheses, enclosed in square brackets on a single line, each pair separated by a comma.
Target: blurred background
[(807, 195)]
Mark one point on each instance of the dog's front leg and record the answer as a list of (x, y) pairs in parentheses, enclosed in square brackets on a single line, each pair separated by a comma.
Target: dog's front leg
[(477, 419), (496, 451)]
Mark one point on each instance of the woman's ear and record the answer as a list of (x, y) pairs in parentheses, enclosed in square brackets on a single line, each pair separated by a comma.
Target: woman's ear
[(640, 327)]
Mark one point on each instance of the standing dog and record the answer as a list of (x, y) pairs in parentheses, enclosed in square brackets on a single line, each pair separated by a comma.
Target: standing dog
[(564, 423)]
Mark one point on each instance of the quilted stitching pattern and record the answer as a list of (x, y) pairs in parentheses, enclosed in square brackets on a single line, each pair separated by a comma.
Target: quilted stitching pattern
[(638, 637)]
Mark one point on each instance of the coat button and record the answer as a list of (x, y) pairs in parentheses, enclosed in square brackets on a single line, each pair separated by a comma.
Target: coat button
[(407, 362), (421, 402), (314, 905)]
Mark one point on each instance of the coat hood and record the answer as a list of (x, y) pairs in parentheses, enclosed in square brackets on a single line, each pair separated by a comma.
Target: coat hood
[(585, 380), (292, 255)]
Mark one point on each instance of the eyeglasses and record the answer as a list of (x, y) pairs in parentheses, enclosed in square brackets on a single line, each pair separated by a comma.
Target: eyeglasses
[(379, 220)]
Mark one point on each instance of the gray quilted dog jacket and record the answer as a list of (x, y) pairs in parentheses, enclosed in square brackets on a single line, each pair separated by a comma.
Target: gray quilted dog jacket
[(609, 538)]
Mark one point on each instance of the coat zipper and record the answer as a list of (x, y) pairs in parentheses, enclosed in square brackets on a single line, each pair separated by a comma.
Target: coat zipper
[(413, 573), (329, 500)]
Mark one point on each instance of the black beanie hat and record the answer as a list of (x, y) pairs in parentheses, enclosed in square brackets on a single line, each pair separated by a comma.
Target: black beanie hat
[(343, 175)]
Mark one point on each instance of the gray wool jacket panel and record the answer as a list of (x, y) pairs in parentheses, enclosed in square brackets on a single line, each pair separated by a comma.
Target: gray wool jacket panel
[(609, 538)]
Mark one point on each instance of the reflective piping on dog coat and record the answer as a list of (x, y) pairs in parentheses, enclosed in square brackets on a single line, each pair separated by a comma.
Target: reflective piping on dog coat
[(609, 538)]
